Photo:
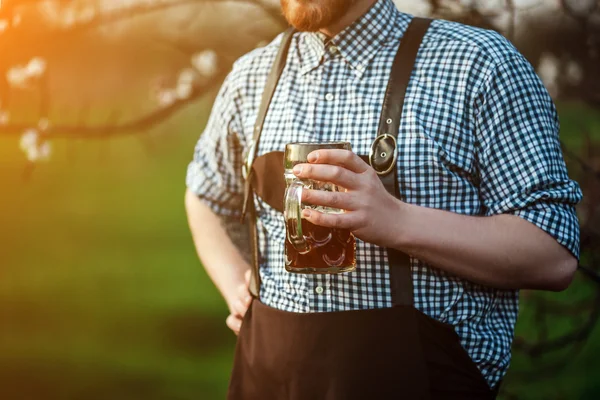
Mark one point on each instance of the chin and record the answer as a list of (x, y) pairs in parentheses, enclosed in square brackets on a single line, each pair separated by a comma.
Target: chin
[(312, 15)]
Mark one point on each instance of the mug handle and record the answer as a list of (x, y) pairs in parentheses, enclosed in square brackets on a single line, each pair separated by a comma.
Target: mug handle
[(293, 216)]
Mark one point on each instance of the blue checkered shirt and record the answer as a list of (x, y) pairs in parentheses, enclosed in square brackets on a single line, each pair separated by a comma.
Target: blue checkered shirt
[(479, 136)]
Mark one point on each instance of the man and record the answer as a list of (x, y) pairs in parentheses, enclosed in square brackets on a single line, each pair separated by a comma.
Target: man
[(487, 207)]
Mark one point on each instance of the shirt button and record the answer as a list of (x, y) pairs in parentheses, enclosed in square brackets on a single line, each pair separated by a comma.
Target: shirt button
[(329, 97), (319, 290), (360, 67), (287, 287), (333, 50)]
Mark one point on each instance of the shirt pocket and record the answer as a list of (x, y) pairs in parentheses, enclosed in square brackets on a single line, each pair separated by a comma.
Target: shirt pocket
[(430, 176)]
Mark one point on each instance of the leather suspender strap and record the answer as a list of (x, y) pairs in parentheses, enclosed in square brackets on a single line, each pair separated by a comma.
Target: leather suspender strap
[(248, 207), (384, 150), (267, 96)]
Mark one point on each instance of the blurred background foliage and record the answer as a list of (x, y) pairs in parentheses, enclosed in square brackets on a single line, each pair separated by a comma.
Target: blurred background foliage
[(101, 293)]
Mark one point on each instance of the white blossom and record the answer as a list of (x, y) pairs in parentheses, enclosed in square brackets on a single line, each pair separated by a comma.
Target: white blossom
[(185, 83), (3, 25), (574, 73), (166, 97), (20, 76), (44, 151), (33, 149), (17, 76), (29, 139), (205, 63), (186, 76), (548, 70), (183, 91), (41, 153), (36, 67)]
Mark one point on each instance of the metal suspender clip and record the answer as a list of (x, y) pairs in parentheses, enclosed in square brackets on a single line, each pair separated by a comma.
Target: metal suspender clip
[(383, 154)]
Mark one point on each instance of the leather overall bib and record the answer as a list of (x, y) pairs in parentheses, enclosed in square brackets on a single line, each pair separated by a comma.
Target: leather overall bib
[(390, 353)]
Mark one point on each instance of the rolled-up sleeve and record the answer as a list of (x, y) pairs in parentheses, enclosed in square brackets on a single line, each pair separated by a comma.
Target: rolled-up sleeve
[(215, 173), (521, 166)]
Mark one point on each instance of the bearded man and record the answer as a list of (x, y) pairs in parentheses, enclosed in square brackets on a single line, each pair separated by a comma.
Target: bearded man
[(476, 205)]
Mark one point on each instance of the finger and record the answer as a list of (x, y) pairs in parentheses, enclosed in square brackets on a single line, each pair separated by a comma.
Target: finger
[(234, 323), (328, 173), (243, 293), (240, 307), (339, 200), (337, 221), (343, 158), (247, 275)]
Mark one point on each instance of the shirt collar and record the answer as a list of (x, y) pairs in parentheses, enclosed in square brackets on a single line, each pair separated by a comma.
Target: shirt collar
[(358, 43)]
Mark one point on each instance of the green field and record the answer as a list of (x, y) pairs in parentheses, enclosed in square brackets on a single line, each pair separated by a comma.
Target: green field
[(103, 298)]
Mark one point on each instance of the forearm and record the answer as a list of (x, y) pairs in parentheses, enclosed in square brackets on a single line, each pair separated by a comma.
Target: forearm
[(502, 251), (220, 257)]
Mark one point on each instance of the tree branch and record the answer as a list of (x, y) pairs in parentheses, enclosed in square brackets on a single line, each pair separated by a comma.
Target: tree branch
[(130, 127), (140, 9)]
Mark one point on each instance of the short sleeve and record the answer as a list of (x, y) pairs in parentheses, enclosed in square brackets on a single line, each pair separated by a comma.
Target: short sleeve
[(215, 173), (521, 166)]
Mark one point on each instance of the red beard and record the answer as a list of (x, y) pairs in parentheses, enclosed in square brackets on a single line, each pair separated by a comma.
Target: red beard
[(312, 15)]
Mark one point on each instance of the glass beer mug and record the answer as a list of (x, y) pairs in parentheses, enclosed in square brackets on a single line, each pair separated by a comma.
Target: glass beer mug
[(309, 248)]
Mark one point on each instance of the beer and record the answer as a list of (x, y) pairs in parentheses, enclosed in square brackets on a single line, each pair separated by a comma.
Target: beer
[(312, 249), (328, 250)]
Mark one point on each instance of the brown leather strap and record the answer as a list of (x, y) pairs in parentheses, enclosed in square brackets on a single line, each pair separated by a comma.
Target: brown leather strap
[(267, 96), (249, 207), (384, 151)]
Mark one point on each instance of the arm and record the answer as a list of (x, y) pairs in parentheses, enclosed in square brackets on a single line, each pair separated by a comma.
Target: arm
[(215, 192), (528, 236), (502, 251), (220, 257)]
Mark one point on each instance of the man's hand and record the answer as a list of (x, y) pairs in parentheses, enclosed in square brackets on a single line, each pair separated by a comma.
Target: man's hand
[(239, 305), (370, 209)]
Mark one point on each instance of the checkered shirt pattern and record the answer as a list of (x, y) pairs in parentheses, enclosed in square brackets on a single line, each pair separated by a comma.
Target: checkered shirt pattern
[(479, 136)]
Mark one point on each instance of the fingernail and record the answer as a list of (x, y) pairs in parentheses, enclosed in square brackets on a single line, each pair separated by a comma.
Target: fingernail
[(313, 157), (298, 169), (306, 213), (247, 299)]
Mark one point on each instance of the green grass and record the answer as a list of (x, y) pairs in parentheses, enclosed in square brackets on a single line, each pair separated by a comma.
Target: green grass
[(102, 295)]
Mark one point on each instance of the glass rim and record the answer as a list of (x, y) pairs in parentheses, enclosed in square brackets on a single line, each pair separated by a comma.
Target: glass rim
[(329, 143)]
